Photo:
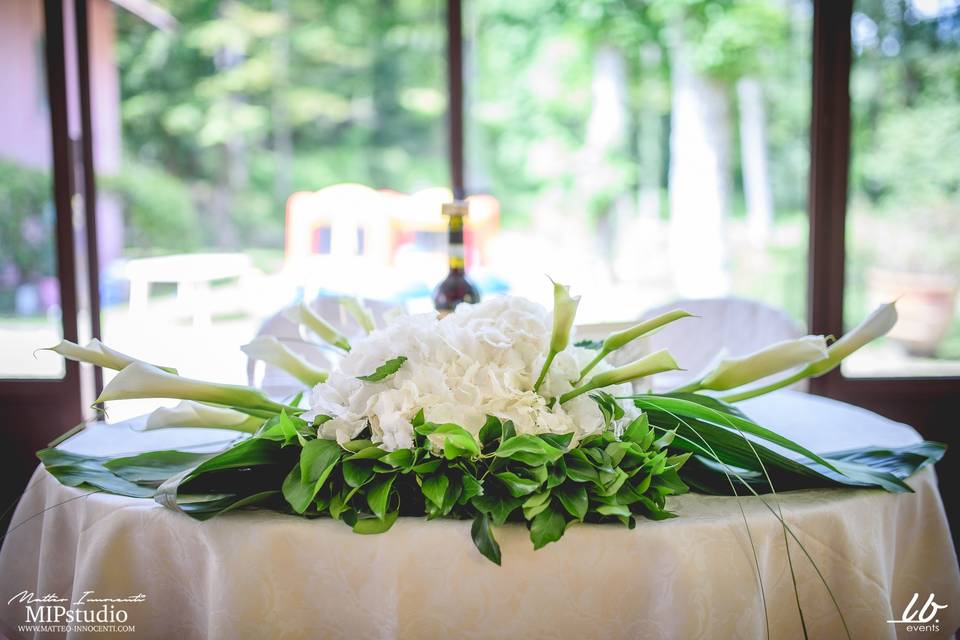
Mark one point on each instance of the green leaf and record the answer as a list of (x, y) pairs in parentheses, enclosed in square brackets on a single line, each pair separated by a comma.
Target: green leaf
[(246, 453), (516, 485), (535, 504), (579, 468), (530, 450), (457, 441), (338, 505), (289, 429), (609, 407), (317, 459), (418, 419), (155, 466), (456, 445), (611, 487), (357, 473), (557, 474), (427, 467), (682, 407), (434, 488), (471, 488), (451, 495), (400, 458), (369, 526), (613, 510), (385, 370), (482, 533), (378, 494), (560, 441), (491, 431), (547, 527), (499, 507), (298, 493), (354, 446), (75, 470), (573, 497), (372, 452), (637, 430), (665, 439)]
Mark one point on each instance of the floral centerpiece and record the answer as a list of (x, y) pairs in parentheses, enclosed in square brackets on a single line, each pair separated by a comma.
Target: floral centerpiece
[(491, 414)]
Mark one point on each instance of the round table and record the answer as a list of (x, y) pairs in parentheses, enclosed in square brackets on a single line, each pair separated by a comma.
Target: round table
[(258, 574)]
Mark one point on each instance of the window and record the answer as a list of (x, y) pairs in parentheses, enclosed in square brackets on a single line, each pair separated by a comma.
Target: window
[(903, 225), (643, 153), (29, 287), (250, 153)]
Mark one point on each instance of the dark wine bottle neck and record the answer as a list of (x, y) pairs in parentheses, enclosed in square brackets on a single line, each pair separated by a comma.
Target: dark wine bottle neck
[(455, 251)]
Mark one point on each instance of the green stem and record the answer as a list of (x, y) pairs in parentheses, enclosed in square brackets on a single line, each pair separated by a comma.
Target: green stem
[(583, 373), (543, 370), (759, 391), (573, 393)]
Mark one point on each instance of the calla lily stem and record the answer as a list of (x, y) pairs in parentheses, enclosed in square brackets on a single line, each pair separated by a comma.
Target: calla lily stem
[(759, 391), (543, 370)]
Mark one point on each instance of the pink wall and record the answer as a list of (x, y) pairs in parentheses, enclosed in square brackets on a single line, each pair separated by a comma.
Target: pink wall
[(105, 88), (24, 116), (24, 119)]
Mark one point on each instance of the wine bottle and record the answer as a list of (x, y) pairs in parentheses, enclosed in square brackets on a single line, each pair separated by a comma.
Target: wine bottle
[(455, 288)]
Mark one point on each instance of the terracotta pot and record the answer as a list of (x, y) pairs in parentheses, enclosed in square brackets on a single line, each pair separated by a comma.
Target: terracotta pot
[(926, 306)]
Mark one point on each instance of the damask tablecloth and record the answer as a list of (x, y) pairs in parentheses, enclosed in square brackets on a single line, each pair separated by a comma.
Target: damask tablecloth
[(266, 575)]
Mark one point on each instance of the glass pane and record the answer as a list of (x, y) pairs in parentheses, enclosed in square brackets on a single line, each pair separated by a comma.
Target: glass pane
[(223, 147), (643, 153), (29, 289), (903, 226)]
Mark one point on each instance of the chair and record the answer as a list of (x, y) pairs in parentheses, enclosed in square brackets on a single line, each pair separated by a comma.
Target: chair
[(725, 326)]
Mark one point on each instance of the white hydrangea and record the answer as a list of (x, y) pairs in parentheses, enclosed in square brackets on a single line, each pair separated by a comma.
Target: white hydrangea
[(480, 360)]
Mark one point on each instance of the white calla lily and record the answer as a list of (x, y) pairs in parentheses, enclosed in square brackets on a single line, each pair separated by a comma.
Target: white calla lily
[(564, 313), (304, 314), (97, 353), (656, 362), (272, 351), (141, 380), (195, 414), (622, 338), (875, 325), (360, 313), (775, 358)]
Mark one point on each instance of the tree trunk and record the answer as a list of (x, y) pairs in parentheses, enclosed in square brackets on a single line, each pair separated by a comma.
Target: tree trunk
[(385, 90), (649, 140), (699, 182), (282, 136), (606, 138), (753, 159)]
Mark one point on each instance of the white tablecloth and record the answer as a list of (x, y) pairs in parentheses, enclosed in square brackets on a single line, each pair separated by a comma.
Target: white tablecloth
[(266, 575)]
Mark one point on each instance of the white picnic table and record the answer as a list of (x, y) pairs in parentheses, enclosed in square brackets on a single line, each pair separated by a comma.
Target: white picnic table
[(193, 273)]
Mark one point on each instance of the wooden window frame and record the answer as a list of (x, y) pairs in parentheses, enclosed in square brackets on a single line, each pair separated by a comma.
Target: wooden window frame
[(924, 402)]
